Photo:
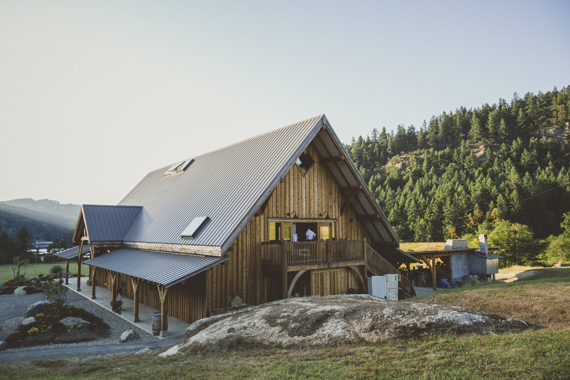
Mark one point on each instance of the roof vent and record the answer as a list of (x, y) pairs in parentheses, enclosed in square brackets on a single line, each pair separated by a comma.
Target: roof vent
[(178, 168), (194, 227)]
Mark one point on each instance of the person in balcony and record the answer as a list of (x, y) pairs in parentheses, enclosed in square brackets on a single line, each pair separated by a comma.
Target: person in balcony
[(295, 237), (310, 234)]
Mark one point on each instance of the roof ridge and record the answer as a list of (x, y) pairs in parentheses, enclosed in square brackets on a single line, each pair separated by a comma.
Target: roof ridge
[(256, 136)]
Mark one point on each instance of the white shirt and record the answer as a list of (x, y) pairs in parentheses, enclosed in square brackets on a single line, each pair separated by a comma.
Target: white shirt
[(310, 234)]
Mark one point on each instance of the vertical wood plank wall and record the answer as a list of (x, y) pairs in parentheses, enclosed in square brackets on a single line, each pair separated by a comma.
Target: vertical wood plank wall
[(309, 196)]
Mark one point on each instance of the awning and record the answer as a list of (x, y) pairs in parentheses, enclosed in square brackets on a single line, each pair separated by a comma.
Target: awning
[(162, 268), (489, 256), (71, 253)]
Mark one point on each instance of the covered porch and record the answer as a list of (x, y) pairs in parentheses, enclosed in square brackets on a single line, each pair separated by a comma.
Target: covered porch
[(299, 257), (176, 327)]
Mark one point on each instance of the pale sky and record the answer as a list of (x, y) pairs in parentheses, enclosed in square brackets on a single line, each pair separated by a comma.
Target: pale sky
[(94, 95)]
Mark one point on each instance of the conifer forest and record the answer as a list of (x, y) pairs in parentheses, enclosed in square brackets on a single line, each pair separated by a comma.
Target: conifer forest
[(464, 171)]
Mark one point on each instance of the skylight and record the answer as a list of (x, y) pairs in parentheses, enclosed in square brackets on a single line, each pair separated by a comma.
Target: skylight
[(304, 162), (178, 168), (193, 228)]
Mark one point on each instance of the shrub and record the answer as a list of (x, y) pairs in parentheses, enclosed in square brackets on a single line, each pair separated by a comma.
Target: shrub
[(40, 316), (20, 268), (33, 331), (54, 293), (56, 270)]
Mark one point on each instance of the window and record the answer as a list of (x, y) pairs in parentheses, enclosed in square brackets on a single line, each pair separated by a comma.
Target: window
[(304, 162), (193, 228), (274, 231), (178, 168)]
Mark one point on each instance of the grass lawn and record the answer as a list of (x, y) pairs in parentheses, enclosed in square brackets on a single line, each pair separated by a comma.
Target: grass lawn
[(35, 269), (535, 354)]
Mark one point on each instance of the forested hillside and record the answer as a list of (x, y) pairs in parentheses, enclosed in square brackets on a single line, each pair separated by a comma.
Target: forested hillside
[(64, 214), (467, 169)]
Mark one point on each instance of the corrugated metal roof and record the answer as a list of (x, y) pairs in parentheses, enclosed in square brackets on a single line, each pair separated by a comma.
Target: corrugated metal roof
[(490, 256), (72, 252), (108, 223), (162, 268), (227, 185)]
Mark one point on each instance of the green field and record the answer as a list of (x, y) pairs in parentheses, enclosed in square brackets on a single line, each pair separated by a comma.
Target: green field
[(36, 269), (542, 299)]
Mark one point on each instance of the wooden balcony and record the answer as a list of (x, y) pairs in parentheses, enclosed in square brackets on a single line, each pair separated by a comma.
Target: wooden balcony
[(314, 255), (292, 257)]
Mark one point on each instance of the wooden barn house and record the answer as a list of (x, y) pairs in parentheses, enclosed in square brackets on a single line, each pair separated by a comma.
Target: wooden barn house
[(281, 214)]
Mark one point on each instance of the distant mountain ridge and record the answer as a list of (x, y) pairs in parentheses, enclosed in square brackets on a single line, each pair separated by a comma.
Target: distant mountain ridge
[(45, 210)]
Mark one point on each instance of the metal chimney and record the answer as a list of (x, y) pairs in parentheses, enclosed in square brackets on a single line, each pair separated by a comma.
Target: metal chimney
[(483, 245)]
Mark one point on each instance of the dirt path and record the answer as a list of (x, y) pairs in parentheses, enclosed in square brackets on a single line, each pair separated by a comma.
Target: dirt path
[(515, 275)]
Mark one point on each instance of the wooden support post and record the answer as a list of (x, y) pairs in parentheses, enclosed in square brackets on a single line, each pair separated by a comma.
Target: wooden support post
[(329, 252), (66, 272), (364, 248), (93, 281), (79, 265), (365, 283), (162, 291), (284, 268), (135, 282), (433, 273), (209, 275), (113, 286)]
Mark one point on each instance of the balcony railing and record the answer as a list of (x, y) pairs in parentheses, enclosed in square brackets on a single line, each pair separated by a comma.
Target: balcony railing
[(313, 252)]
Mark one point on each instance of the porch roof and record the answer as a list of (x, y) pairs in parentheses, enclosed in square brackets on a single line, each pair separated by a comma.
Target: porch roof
[(162, 268), (71, 253)]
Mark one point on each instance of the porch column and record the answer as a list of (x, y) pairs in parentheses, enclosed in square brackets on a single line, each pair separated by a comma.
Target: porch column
[(66, 272), (433, 273), (162, 291), (135, 282), (93, 281), (284, 268), (113, 287), (79, 266)]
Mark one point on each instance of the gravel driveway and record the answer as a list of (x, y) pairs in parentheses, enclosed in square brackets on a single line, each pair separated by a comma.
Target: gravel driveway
[(13, 307)]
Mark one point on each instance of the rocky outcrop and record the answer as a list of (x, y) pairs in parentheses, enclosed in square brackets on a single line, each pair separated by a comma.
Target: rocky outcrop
[(557, 132), (333, 320)]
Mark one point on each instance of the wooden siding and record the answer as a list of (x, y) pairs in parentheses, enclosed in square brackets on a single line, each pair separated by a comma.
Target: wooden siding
[(334, 281), (310, 196)]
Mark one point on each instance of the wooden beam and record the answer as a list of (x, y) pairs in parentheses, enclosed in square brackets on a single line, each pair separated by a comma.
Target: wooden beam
[(332, 159), (284, 266), (162, 292), (113, 286), (347, 201), (66, 272), (135, 283), (80, 248), (299, 274), (433, 273), (350, 188), (93, 281)]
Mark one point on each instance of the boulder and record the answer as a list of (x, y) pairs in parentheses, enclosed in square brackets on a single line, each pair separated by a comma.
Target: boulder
[(21, 291), (36, 308), (128, 336), (28, 321), (2, 345), (340, 319), (74, 321)]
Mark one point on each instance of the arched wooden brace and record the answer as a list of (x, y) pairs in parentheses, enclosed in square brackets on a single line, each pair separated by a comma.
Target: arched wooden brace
[(299, 274), (360, 277)]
